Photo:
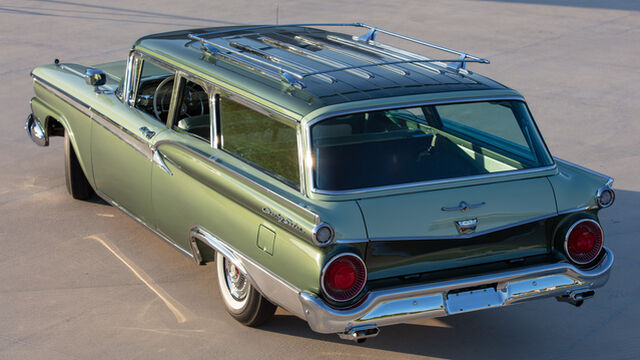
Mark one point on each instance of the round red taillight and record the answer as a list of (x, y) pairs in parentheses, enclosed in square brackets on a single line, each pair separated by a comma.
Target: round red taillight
[(583, 241), (343, 277)]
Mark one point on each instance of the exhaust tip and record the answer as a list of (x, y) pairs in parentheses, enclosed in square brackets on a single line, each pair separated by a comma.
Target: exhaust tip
[(576, 298), (360, 333)]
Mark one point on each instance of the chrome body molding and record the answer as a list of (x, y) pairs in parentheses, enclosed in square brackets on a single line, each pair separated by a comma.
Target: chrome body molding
[(116, 129), (159, 160), (315, 219), (270, 285), (35, 131), (581, 167), (463, 206), (411, 303), (475, 234)]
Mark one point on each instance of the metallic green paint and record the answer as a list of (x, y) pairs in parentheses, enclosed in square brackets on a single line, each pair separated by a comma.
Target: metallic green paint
[(202, 189)]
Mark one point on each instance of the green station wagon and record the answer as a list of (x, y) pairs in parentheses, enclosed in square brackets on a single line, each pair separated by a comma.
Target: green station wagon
[(353, 183)]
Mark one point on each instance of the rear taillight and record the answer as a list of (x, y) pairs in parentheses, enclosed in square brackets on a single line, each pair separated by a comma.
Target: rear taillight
[(343, 277), (583, 241)]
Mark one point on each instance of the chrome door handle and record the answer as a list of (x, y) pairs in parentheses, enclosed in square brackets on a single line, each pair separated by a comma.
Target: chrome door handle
[(463, 206), (147, 133)]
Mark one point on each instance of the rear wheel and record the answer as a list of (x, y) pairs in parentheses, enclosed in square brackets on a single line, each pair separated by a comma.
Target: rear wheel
[(77, 184), (242, 301)]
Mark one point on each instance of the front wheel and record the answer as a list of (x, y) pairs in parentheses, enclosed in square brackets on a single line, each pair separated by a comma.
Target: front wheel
[(242, 301)]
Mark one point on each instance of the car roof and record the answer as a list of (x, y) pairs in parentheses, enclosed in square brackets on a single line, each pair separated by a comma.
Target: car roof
[(273, 64)]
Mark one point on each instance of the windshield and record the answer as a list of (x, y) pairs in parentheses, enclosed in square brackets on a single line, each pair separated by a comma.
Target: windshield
[(424, 143)]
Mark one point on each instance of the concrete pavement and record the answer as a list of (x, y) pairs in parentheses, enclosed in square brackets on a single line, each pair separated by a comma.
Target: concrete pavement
[(80, 280)]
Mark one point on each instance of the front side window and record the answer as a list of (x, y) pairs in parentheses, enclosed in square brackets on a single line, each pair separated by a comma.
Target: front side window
[(261, 140), (193, 114), (155, 87), (424, 143)]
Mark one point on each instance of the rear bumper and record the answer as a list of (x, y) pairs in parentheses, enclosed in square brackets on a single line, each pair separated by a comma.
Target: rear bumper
[(400, 305)]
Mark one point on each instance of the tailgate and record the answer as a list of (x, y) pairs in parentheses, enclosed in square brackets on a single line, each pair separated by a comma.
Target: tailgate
[(412, 233)]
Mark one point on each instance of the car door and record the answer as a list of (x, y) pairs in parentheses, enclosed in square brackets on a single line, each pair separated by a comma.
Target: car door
[(122, 146)]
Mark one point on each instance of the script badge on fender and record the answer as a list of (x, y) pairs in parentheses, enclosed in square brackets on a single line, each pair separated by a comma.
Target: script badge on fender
[(467, 226)]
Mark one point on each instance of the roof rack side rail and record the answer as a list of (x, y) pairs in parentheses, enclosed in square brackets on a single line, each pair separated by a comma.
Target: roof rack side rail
[(461, 61)]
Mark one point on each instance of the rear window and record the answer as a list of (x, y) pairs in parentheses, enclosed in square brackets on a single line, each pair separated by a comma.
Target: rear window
[(425, 143)]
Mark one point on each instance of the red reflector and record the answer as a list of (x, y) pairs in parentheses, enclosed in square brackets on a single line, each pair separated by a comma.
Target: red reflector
[(344, 277), (584, 241)]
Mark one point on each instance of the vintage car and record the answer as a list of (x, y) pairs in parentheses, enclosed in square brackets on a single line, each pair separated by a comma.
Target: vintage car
[(351, 182)]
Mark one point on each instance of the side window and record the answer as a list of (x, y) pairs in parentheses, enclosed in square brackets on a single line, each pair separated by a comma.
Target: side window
[(154, 91), (194, 112), (260, 139)]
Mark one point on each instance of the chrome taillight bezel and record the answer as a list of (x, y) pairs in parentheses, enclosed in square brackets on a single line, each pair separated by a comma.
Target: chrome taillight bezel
[(327, 293), (566, 241)]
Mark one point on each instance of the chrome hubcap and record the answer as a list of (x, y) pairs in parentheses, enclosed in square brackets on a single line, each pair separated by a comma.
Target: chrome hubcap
[(236, 281)]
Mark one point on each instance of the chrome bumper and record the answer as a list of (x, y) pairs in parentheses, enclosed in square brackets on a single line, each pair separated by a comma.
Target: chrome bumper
[(400, 305), (35, 131)]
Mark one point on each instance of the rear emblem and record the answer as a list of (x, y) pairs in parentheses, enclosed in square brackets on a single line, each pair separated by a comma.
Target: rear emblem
[(467, 226)]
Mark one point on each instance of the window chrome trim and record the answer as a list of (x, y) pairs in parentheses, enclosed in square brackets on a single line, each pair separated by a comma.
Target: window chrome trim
[(222, 92), (434, 182), (309, 150)]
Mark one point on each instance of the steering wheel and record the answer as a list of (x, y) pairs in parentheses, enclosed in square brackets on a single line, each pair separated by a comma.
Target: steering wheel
[(188, 100), (156, 94), (192, 102)]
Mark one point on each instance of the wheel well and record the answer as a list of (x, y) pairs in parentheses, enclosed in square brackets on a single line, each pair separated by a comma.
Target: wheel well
[(54, 127)]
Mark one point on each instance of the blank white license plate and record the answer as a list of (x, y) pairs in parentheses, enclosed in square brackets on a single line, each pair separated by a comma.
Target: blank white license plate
[(473, 300)]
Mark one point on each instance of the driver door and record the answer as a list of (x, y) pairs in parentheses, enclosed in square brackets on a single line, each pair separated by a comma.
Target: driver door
[(122, 146)]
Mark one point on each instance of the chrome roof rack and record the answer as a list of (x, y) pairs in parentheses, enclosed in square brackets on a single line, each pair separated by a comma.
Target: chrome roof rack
[(293, 73)]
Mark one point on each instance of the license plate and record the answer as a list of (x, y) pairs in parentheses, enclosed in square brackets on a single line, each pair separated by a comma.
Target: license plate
[(473, 300)]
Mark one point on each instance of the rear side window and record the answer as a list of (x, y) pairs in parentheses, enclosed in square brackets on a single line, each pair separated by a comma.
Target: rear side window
[(261, 140)]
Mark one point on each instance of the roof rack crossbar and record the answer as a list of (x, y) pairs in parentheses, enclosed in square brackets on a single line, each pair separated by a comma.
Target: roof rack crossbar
[(370, 60), (294, 77), (385, 50), (303, 52)]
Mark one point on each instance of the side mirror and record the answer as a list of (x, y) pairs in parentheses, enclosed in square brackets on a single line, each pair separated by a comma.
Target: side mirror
[(95, 77)]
